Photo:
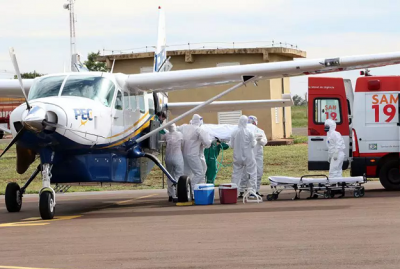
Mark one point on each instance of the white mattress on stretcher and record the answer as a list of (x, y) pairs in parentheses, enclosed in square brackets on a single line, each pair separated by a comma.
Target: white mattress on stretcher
[(281, 180)]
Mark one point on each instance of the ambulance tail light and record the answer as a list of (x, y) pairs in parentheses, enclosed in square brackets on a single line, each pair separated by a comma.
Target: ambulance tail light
[(374, 85), (312, 131), (356, 152)]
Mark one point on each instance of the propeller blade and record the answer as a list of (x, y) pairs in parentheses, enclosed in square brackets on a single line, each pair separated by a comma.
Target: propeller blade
[(18, 73), (15, 139)]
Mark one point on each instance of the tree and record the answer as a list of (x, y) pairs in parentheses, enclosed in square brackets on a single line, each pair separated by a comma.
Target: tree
[(33, 74), (93, 65), (299, 101)]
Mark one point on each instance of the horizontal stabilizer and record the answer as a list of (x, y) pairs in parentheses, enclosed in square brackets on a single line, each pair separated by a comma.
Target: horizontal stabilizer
[(222, 106)]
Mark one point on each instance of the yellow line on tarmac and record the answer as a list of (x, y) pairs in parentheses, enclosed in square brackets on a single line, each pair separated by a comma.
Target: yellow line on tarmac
[(36, 221), (16, 267), (131, 200)]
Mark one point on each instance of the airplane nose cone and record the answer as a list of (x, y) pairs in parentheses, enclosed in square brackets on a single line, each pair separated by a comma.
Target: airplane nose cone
[(34, 119)]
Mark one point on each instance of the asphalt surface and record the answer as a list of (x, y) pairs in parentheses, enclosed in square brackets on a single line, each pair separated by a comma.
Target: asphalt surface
[(140, 229)]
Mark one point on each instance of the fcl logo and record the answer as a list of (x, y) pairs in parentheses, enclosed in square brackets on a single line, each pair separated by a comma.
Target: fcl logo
[(84, 114)]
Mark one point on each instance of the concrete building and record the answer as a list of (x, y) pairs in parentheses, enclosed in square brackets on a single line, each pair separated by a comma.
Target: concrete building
[(276, 122)]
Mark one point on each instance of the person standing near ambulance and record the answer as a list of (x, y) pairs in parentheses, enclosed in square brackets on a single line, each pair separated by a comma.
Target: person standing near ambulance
[(262, 140), (336, 147)]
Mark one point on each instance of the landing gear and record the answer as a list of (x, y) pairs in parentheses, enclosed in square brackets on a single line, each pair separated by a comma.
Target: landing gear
[(13, 197), (47, 196), (14, 193), (184, 190)]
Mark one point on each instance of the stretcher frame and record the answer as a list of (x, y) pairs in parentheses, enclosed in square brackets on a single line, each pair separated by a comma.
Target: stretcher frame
[(327, 189)]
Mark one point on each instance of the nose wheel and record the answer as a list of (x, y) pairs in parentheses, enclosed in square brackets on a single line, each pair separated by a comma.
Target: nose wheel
[(46, 205)]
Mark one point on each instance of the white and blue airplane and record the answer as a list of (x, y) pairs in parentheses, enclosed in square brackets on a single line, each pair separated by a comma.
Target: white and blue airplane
[(102, 128)]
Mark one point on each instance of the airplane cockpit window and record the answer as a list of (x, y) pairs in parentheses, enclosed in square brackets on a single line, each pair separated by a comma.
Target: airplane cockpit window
[(93, 87), (118, 101), (46, 87)]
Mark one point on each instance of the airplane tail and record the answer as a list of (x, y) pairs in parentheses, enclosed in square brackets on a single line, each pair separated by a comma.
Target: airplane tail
[(161, 63)]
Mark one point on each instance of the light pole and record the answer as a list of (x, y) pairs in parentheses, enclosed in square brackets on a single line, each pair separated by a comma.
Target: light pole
[(70, 6)]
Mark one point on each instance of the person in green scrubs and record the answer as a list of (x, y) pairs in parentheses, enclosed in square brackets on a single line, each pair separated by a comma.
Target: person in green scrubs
[(211, 155)]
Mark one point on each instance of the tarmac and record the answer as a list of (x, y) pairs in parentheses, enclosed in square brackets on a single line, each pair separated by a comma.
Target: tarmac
[(140, 229)]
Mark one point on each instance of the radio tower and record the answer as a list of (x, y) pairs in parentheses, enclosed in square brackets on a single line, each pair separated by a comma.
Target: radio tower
[(74, 57)]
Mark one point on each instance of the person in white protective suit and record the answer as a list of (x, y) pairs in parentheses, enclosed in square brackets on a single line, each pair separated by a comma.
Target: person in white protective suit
[(336, 147), (202, 157), (258, 154), (194, 138), (243, 141), (173, 157)]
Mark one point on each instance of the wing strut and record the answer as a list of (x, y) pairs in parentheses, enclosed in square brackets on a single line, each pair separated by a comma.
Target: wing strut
[(246, 79)]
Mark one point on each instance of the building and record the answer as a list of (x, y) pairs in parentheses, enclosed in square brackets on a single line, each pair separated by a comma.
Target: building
[(275, 122)]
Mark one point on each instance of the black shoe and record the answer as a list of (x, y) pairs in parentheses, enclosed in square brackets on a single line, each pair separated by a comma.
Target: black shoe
[(262, 195), (170, 199), (241, 195)]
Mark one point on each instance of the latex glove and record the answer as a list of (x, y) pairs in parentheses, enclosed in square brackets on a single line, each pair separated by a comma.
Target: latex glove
[(335, 155), (258, 137)]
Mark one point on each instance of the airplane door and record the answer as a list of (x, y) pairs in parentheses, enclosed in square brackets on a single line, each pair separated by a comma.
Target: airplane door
[(327, 100), (118, 116)]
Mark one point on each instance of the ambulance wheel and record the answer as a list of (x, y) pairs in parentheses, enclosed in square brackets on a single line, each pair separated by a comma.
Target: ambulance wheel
[(275, 196), (13, 197), (362, 192), (1, 134), (269, 197), (46, 205), (356, 193), (184, 190), (389, 175)]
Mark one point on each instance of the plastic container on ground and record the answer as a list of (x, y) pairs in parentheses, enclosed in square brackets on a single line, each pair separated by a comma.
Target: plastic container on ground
[(228, 193), (204, 194)]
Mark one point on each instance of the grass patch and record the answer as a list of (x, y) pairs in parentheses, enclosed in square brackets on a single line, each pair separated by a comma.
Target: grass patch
[(299, 116), (278, 160), (299, 139)]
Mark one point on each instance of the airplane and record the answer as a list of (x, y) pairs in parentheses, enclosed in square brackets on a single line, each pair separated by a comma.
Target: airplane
[(102, 128)]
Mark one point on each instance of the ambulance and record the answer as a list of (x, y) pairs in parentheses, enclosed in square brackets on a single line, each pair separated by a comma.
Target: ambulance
[(368, 120)]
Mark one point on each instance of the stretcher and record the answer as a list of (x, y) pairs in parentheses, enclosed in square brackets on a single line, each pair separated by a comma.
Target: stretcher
[(317, 186)]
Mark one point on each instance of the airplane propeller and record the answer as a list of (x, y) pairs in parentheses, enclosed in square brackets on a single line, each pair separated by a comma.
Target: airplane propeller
[(18, 73)]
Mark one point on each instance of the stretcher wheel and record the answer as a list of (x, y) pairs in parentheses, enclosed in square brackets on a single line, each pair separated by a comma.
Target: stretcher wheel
[(362, 192), (356, 193), (315, 196), (327, 194), (269, 197), (275, 196)]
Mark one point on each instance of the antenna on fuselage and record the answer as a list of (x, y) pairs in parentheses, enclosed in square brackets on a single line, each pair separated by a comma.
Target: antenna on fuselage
[(18, 73)]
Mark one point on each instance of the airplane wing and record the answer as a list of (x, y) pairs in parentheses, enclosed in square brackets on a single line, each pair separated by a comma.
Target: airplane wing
[(221, 106), (196, 78), (11, 87)]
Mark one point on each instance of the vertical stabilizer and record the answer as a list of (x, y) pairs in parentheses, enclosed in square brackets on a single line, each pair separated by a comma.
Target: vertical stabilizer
[(161, 63)]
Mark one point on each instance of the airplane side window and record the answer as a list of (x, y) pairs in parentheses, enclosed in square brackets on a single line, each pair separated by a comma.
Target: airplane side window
[(109, 97), (151, 106), (142, 106), (118, 101), (45, 87), (126, 100), (132, 100)]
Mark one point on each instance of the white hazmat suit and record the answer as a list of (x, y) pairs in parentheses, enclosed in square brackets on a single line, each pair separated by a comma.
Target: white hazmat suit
[(195, 138), (173, 157), (258, 154), (243, 142), (336, 147)]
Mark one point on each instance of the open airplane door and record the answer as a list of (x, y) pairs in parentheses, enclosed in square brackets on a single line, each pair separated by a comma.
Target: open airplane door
[(326, 100)]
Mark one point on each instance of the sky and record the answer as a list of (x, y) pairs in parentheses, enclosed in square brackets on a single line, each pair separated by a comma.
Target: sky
[(39, 29)]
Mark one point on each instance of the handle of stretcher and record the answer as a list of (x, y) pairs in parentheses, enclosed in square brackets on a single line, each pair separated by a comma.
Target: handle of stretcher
[(317, 139), (327, 179)]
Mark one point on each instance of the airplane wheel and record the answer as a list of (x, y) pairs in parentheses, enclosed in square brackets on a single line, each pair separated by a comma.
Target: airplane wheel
[(46, 205), (184, 190), (13, 197)]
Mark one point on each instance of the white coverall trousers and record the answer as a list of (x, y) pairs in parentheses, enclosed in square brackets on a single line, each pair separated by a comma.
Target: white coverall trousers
[(239, 169), (335, 167), (175, 168), (244, 183), (193, 166)]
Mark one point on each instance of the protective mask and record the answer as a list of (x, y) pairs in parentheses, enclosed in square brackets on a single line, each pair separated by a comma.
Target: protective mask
[(326, 129)]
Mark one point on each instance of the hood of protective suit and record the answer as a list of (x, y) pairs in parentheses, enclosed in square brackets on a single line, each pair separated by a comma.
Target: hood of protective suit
[(243, 122), (253, 120), (330, 125), (172, 128), (197, 120)]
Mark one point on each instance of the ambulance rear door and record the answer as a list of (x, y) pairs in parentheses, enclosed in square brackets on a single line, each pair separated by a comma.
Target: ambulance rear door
[(327, 100)]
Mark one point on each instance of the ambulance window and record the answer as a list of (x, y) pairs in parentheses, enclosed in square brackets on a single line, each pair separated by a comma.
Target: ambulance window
[(327, 108), (126, 100), (118, 101)]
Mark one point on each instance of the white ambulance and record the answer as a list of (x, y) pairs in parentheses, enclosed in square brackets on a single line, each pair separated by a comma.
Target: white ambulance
[(368, 120)]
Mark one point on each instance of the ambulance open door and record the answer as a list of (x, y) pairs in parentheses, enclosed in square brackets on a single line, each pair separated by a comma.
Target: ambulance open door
[(326, 100)]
